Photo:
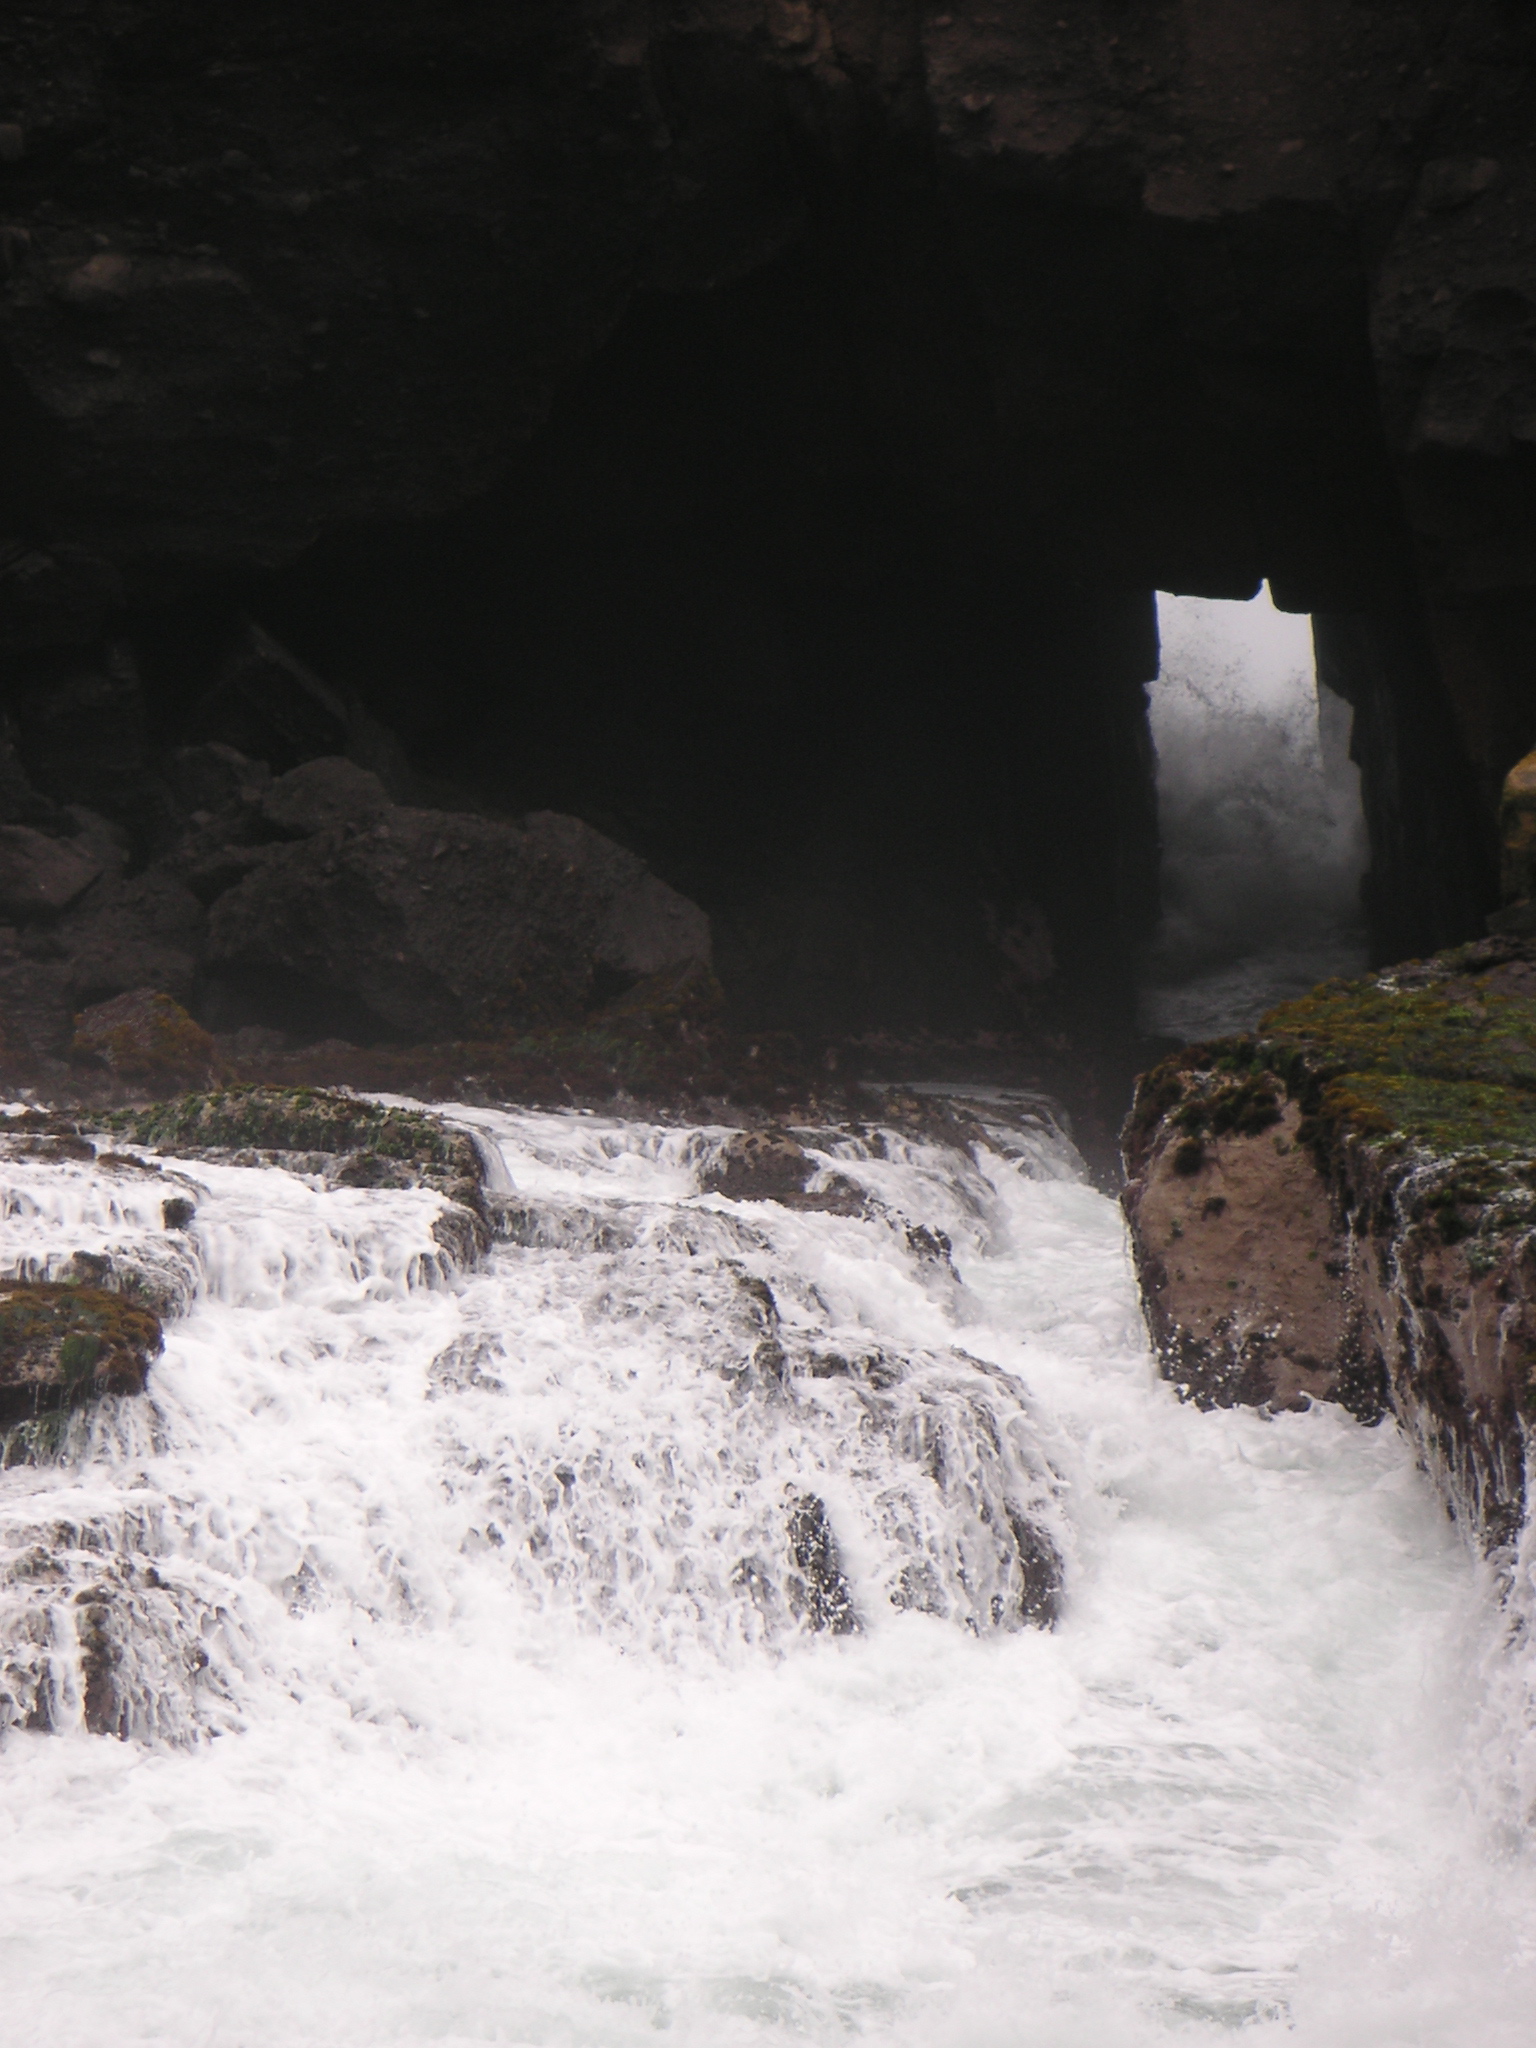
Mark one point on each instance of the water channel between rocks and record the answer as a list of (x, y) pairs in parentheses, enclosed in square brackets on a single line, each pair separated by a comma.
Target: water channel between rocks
[(474, 1695)]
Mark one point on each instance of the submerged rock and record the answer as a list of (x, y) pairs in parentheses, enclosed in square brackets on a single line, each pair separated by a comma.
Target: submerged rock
[(818, 1592), (771, 1166), (758, 1166), (292, 1120), (1344, 1207), (347, 1140)]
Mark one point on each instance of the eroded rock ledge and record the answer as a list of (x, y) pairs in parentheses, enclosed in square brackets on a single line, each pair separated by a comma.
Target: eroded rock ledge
[(1343, 1207)]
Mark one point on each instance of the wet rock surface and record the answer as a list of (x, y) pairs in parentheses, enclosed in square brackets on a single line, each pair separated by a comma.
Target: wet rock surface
[(62, 1344), (759, 1166), (377, 1146), (1344, 1207)]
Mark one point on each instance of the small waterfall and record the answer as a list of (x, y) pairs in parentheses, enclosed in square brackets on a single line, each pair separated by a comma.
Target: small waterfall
[(737, 1619), (677, 1419)]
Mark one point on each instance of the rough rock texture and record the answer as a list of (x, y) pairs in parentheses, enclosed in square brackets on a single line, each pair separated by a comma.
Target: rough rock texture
[(306, 1120), (429, 924), (818, 1593), (144, 1036), (333, 911), (759, 1166), (40, 876), (321, 795), (61, 1344), (1344, 1206), (1237, 1258), (345, 1140)]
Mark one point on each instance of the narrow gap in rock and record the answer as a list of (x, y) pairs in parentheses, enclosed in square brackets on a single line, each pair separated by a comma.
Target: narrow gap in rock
[(1262, 831)]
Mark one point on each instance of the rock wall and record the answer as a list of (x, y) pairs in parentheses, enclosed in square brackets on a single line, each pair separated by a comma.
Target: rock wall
[(1344, 1208), (866, 296)]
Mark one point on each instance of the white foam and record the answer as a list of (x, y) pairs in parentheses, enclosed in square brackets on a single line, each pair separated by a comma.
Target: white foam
[(416, 1781)]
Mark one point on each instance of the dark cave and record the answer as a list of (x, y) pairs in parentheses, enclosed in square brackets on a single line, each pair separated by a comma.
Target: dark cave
[(877, 719), (816, 569)]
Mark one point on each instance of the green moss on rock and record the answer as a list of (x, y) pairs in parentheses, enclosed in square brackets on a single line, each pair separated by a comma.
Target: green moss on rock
[(1434, 1054), (1413, 1094), (61, 1345), (372, 1139)]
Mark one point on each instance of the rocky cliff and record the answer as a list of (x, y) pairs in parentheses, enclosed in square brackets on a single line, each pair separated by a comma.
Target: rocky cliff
[(709, 419), (1343, 1207)]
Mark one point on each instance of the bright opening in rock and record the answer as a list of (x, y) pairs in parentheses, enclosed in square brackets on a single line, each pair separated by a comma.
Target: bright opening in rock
[(1263, 836)]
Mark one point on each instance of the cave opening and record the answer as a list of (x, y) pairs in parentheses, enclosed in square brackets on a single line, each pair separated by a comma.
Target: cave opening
[(824, 585), (828, 590), (1262, 829)]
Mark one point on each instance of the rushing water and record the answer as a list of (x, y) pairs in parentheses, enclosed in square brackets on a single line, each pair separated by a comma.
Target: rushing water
[(477, 1690)]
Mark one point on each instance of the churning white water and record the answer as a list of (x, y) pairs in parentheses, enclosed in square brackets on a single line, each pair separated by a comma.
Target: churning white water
[(488, 1678)]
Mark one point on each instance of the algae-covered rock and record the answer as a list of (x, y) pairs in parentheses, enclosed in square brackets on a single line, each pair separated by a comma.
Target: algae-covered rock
[(266, 1119), (348, 1140), (62, 1344), (1344, 1205)]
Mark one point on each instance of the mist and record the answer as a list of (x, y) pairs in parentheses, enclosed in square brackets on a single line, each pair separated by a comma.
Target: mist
[(1263, 837)]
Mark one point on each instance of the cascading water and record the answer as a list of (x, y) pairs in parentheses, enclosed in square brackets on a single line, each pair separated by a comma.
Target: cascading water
[(634, 1631)]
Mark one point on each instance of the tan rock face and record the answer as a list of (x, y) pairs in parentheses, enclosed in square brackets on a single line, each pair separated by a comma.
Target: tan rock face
[(144, 1035), (1374, 1241), (1517, 831), (1245, 1286)]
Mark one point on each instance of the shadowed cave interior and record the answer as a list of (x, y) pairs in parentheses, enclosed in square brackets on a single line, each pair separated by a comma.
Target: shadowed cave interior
[(848, 632), (889, 729)]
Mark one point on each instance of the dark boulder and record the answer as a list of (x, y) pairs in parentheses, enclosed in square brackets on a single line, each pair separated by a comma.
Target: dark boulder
[(429, 924), (20, 803), (117, 936), (211, 776), (143, 933), (39, 875), (321, 794), (266, 704), (643, 927), (143, 1036), (82, 735)]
